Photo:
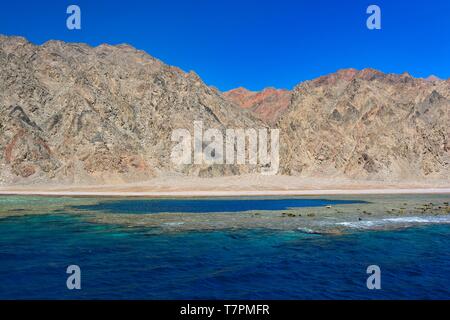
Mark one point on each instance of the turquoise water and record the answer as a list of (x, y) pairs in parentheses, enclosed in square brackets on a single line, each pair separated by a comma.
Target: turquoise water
[(123, 263)]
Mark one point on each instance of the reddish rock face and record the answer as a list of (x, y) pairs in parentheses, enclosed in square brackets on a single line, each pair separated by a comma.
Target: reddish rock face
[(370, 74), (433, 78), (333, 78), (268, 104)]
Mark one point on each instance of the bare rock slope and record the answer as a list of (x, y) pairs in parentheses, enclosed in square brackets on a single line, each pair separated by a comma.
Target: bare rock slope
[(362, 125), (366, 124), (79, 114)]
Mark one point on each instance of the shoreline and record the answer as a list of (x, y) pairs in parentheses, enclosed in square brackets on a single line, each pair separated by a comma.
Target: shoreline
[(223, 193), (230, 186)]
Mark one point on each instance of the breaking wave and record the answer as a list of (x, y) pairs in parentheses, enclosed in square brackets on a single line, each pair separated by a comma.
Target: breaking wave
[(414, 220)]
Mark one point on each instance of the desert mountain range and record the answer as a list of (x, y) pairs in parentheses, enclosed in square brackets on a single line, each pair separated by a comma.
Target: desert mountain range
[(73, 113)]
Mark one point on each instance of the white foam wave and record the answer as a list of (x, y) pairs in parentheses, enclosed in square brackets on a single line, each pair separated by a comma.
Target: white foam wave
[(172, 224), (367, 224), (306, 230)]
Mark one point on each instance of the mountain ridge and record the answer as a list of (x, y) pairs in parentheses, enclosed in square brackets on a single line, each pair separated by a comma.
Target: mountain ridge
[(81, 114)]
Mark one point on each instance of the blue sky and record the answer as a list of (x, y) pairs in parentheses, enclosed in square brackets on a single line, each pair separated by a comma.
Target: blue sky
[(250, 43)]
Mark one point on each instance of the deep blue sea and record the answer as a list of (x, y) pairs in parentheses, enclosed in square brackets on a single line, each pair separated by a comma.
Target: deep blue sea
[(207, 205), (123, 263)]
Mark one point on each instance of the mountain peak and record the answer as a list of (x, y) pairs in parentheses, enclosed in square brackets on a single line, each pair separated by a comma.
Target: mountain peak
[(406, 75), (240, 90), (432, 78), (370, 74)]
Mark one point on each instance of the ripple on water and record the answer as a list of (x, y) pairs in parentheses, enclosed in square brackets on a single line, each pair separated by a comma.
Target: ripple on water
[(138, 263)]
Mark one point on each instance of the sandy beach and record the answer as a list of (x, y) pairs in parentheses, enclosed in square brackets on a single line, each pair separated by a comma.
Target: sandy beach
[(249, 185)]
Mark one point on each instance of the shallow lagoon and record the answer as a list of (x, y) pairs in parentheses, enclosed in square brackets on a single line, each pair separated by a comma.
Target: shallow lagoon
[(130, 255), (147, 206)]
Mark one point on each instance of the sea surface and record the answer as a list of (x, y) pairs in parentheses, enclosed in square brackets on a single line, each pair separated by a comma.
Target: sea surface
[(118, 262)]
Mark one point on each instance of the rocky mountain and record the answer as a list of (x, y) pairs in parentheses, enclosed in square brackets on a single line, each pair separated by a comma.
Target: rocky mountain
[(78, 114), (369, 125), (362, 124), (73, 113)]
